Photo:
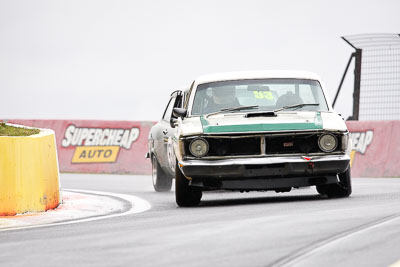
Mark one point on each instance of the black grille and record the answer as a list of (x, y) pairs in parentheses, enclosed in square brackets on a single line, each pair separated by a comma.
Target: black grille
[(292, 144), (275, 144), (234, 147), (231, 146)]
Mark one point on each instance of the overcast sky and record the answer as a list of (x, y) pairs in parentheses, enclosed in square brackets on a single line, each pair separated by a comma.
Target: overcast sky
[(120, 60)]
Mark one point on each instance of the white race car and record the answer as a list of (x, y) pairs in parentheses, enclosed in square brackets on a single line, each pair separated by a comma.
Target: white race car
[(259, 130)]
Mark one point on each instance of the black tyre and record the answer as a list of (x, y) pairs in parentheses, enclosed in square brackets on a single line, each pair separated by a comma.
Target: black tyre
[(162, 182), (185, 195), (322, 189), (340, 189)]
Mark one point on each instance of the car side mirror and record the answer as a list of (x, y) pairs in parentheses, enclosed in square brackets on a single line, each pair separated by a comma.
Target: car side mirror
[(179, 112), (173, 122)]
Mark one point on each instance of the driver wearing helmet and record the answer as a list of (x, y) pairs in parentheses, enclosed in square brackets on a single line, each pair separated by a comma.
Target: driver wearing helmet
[(222, 97)]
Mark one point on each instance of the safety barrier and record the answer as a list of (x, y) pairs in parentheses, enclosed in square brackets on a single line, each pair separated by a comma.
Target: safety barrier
[(95, 146), (29, 175), (119, 146), (376, 148)]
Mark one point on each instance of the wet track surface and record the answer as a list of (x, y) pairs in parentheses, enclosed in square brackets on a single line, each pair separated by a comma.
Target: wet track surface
[(299, 228)]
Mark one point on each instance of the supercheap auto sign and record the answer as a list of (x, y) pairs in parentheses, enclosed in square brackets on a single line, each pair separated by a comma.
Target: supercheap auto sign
[(360, 142), (98, 145), (375, 150), (94, 146), (91, 146)]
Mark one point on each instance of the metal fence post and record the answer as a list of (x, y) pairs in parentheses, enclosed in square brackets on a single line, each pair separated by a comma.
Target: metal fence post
[(344, 76), (357, 84)]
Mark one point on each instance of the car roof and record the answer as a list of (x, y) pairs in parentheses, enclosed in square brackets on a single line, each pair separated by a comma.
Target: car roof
[(260, 74)]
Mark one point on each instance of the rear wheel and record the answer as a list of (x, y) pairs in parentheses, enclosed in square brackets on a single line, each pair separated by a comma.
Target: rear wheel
[(340, 189), (185, 195), (162, 182)]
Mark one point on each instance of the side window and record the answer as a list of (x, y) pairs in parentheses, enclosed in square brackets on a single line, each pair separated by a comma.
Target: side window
[(179, 101), (168, 110), (185, 105)]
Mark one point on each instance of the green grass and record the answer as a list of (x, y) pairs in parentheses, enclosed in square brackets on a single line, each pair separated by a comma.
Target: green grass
[(6, 130)]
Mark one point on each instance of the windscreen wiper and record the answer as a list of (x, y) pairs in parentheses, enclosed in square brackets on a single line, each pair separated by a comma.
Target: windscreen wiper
[(232, 109), (272, 113), (296, 106)]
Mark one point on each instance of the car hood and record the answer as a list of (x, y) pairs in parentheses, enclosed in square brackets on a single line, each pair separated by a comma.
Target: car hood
[(284, 121)]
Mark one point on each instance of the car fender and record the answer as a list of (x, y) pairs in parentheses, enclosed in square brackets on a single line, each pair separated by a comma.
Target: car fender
[(171, 153)]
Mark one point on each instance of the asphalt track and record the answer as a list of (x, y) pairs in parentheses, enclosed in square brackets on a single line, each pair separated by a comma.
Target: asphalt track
[(299, 228)]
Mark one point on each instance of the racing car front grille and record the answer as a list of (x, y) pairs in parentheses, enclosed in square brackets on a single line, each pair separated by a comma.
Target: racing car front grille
[(292, 144), (220, 146), (234, 147)]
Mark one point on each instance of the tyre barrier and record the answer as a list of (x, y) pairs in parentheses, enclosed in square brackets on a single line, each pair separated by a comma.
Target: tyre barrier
[(29, 174)]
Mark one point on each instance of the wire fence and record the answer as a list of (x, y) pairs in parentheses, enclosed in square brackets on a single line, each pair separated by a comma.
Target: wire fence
[(380, 75)]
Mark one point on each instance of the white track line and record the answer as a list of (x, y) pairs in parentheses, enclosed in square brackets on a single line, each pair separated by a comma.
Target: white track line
[(308, 251), (138, 205)]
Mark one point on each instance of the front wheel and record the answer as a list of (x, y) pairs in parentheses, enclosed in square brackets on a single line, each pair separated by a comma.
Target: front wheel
[(162, 182), (340, 189), (185, 195)]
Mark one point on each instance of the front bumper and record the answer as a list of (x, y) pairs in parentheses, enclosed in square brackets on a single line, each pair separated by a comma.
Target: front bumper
[(265, 172)]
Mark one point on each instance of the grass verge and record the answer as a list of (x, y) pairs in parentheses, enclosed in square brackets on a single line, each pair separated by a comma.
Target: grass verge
[(7, 130)]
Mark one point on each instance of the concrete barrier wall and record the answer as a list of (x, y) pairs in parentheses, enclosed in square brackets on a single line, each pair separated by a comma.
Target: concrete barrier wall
[(99, 146), (29, 175), (376, 148), (120, 146)]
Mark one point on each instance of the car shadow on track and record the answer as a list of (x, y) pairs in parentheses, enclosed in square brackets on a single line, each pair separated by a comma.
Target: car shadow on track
[(260, 200)]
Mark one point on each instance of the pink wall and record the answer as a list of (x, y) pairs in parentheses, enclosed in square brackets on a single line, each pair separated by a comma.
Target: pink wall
[(376, 148), (99, 146), (120, 146)]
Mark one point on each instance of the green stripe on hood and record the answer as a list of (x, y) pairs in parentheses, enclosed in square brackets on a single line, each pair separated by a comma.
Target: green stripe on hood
[(267, 127)]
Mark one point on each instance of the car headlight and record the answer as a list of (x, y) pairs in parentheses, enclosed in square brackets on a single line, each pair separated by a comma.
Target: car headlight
[(327, 142), (198, 147)]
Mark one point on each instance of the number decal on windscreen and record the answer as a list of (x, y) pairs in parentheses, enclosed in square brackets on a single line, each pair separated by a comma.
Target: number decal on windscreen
[(263, 94)]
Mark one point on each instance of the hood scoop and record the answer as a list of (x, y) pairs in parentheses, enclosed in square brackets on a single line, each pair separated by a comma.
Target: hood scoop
[(261, 114)]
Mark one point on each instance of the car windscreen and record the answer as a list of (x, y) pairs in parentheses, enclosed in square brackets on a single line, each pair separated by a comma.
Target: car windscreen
[(266, 94)]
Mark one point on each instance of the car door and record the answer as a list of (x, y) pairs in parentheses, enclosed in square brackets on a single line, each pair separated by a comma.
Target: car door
[(163, 135), (172, 138), (162, 130)]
